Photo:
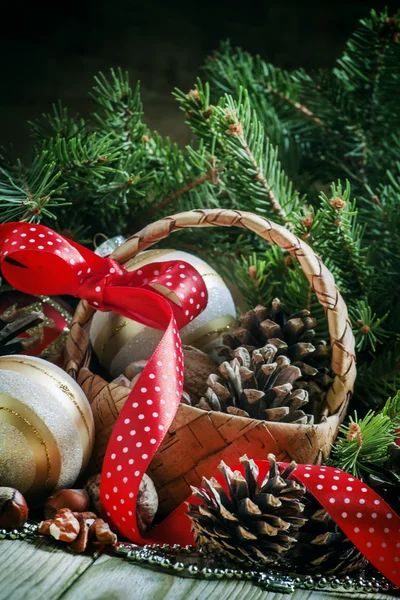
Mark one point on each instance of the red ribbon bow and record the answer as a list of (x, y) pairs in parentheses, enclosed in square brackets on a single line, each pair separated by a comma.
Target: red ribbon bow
[(36, 260)]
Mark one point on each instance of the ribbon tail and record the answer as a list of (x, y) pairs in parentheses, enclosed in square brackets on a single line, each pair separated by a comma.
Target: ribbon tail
[(367, 520), (142, 425)]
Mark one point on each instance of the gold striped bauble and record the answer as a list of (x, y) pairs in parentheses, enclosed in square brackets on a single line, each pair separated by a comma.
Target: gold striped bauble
[(46, 427)]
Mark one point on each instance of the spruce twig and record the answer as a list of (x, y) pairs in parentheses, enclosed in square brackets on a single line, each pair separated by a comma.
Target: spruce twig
[(363, 445)]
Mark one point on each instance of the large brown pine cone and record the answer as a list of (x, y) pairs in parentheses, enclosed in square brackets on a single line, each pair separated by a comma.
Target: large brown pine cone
[(255, 522)]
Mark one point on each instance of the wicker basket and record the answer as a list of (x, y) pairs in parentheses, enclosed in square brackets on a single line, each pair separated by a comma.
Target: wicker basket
[(198, 440)]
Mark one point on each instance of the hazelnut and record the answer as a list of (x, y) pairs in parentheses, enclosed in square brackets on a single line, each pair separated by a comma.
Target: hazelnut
[(13, 508), (147, 503), (75, 500), (147, 500)]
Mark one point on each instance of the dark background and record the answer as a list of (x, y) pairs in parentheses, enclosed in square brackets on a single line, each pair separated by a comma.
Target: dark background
[(52, 52)]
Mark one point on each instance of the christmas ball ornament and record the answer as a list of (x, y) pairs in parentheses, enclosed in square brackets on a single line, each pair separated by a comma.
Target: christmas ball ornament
[(46, 427), (50, 334), (118, 342), (109, 245)]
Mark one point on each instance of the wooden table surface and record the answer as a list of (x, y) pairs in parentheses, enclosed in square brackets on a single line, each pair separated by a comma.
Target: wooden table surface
[(38, 569)]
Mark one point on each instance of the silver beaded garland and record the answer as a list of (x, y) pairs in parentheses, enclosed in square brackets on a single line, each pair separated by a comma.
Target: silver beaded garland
[(180, 561), (172, 558)]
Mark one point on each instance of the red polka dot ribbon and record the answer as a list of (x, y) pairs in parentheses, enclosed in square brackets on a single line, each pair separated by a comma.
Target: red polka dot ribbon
[(36, 260), (366, 519)]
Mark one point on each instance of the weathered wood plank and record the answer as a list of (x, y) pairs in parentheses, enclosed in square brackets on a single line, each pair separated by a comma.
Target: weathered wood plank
[(37, 569), (113, 578), (40, 570)]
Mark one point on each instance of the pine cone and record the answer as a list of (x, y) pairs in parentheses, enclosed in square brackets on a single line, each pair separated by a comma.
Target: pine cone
[(15, 325), (260, 386), (386, 483), (255, 522), (321, 546), (273, 521), (292, 336)]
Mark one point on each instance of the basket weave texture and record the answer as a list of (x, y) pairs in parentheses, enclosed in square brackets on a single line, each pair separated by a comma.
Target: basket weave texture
[(197, 440)]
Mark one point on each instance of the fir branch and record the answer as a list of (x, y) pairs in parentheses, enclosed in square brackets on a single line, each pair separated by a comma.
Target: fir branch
[(365, 79), (236, 129), (258, 275), (379, 376), (57, 124), (79, 156), (336, 236), (363, 445), (392, 410), (232, 132), (120, 108)]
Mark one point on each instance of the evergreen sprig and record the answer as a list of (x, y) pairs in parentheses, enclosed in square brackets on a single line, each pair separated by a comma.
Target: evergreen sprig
[(367, 327), (341, 124), (362, 446)]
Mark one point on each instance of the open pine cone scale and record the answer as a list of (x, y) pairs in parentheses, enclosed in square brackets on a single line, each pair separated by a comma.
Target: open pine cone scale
[(260, 326)]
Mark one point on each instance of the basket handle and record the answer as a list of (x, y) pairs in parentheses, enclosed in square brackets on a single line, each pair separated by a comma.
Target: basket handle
[(319, 277)]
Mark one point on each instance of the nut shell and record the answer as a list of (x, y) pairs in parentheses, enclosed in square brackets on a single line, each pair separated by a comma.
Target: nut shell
[(100, 530), (147, 500), (92, 486), (198, 366), (13, 508), (147, 503), (65, 526), (75, 500), (79, 545)]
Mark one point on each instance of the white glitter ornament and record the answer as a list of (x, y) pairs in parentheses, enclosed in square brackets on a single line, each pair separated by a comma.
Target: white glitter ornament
[(118, 341), (46, 427)]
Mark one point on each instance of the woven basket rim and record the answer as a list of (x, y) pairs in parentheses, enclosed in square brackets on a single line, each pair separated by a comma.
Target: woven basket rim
[(320, 278)]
